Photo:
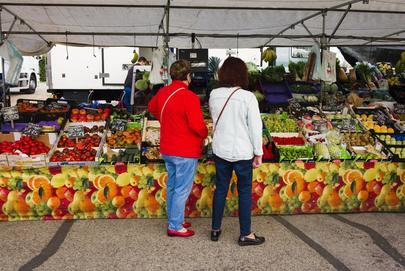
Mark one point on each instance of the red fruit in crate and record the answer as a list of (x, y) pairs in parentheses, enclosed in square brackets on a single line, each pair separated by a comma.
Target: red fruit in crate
[(100, 111), (369, 164), (309, 165), (82, 111), (75, 111), (3, 194), (104, 116), (120, 167), (107, 110), (64, 203), (75, 117)]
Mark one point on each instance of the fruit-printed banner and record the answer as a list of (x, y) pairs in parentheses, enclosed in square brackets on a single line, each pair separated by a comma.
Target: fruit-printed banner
[(132, 190)]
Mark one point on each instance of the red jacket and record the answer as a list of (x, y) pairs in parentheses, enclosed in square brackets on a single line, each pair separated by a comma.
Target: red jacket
[(183, 128)]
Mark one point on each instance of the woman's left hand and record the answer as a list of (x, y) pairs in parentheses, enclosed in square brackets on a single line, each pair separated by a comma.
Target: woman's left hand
[(257, 161)]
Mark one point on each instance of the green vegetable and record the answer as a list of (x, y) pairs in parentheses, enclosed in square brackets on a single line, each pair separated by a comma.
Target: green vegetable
[(295, 152), (274, 73), (142, 85)]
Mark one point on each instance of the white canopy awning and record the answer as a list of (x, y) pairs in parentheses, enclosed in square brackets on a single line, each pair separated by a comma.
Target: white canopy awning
[(216, 24)]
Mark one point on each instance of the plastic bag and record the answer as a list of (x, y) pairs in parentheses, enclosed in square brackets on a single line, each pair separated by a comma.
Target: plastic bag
[(13, 61), (155, 76), (328, 72), (317, 69)]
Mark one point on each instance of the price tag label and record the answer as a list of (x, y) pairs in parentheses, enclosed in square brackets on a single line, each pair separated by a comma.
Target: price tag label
[(33, 130), (91, 111), (10, 113), (119, 125), (295, 105), (55, 106), (75, 131)]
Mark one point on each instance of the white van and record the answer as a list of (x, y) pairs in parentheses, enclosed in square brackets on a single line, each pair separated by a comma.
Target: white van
[(29, 75)]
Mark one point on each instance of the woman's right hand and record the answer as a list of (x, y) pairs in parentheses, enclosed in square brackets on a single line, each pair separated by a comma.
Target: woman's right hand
[(257, 161)]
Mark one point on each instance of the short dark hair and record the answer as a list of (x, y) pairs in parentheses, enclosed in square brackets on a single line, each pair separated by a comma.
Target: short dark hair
[(180, 69), (142, 59), (233, 72)]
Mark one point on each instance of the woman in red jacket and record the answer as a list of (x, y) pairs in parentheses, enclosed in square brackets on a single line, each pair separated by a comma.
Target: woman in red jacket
[(181, 136)]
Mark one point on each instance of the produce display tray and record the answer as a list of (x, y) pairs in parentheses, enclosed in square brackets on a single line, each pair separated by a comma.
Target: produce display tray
[(150, 154), (304, 87)]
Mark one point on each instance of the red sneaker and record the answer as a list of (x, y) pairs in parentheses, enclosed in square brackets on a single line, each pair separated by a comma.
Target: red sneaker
[(173, 233), (186, 224)]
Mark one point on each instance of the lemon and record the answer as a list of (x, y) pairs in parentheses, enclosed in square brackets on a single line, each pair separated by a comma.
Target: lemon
[(123, 179), (390, 130), (311, 175), (146, 171), (333, 167), (370, 174), (58, 180), (392, 167), (110, 168)]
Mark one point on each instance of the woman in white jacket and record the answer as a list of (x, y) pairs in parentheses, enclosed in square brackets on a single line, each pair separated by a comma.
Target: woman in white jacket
[(237, 145)]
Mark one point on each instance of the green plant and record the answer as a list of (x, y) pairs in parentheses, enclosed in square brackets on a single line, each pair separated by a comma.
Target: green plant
[(213, 65), (42, 69)]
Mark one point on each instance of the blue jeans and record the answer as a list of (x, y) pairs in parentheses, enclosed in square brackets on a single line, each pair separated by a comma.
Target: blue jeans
[(244, 171), (127, 98), (181, 171)]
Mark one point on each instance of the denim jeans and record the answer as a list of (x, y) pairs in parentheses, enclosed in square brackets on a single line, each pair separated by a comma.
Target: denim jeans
[(244, 171), (181, 171)]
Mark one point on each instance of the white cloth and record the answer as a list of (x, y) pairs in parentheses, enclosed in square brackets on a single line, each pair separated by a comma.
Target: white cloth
[(155, 76), (238, 135), (328, 73)]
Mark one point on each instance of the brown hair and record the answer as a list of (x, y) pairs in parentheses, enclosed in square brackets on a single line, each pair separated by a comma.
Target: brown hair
[(233, 73), (180, 69)]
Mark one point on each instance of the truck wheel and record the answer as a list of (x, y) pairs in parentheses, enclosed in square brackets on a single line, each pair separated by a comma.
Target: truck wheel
[(32, 84)]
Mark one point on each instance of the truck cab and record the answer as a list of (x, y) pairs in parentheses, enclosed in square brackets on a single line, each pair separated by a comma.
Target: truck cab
[(29, 75)]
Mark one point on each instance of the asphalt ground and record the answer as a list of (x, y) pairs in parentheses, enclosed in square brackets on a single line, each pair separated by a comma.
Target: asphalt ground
[(302, 242)]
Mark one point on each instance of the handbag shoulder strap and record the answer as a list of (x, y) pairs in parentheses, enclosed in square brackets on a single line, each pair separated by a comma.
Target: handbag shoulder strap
[(164, 105), (223, 108)]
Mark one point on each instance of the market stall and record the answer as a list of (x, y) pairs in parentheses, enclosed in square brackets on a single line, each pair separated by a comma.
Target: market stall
[(329, 147)]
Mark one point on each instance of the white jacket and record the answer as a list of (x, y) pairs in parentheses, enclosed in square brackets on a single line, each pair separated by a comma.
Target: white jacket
[(238, 135)]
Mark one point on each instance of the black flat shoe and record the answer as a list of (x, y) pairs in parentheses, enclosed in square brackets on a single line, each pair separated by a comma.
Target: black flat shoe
[(245, 241), (215, 235)]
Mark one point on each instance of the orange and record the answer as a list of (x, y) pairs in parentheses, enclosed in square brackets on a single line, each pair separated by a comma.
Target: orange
[(100, 196), (275, 201), (86, 205), (70, 182), (363, 195), (21, 207), (60, 192), (347, 191), (391, 199), (306, 207), (35, 197), (118, 201), (152, 205), (39, 181), (370, 186), (30, 182), (131, 214), (162, 180), (3, 182), (53, 203), (125, 191), (100, 181), (304, 196), (294, 176), (112, 189), (311, 186), (289, 191), (352, 175), (334, 200)]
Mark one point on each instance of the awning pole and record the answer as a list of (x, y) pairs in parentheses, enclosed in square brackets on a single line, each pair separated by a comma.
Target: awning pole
[(340, 22), (310, 33), (3, 74), (29, 26), (310, 17), (384, 37)]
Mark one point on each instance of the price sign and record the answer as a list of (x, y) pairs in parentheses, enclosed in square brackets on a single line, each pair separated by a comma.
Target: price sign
[(119, 125), (294, 105), (10, 113), (91, 111), (33, 130), (75, 131), (56, 106)]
